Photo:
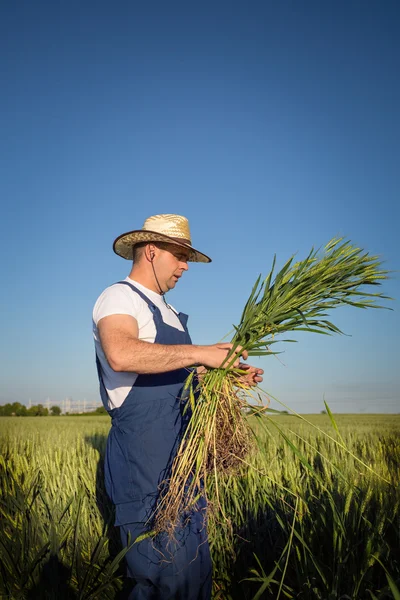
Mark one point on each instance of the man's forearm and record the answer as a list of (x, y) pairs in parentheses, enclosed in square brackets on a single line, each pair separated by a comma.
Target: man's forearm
[(145, 358)]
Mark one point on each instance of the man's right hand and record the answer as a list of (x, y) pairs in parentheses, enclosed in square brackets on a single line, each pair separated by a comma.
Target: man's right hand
[(215, 355)]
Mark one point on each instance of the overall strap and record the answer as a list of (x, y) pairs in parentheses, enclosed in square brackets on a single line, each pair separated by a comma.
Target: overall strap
[(181, 316), (150, 304)]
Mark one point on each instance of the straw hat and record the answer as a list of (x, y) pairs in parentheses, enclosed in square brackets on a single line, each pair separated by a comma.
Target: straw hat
[(159, 228)]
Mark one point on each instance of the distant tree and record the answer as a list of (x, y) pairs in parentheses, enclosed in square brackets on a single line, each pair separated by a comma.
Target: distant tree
[(55, 411), (101, 411), (42, 411), (18, 409), (37, 411), (323, 412)]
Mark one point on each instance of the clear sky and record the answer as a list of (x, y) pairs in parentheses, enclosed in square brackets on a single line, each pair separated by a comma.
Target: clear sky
[(272, 126)]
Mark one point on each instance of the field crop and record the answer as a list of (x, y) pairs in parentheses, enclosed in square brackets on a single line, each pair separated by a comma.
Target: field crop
[(305, 520)]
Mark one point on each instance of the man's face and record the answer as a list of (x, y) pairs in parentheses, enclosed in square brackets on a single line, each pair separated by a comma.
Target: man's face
[(170, 262)]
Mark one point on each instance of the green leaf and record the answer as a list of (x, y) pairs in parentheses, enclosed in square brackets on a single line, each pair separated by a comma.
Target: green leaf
[(328, 410), (393, 587)]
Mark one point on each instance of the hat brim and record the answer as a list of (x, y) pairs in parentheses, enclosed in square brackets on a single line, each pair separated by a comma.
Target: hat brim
[(124, 244)]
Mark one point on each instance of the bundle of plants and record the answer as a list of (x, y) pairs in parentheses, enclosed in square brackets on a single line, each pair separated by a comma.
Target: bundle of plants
[(298, 298)]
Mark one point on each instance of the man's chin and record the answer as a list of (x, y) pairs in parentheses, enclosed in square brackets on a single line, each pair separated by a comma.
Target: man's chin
[(171, 284)]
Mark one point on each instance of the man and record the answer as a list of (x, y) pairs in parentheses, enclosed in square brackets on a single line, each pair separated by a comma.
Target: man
[(144, 354)]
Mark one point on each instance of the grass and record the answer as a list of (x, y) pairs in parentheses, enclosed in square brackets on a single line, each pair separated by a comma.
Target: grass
[(294, 525)]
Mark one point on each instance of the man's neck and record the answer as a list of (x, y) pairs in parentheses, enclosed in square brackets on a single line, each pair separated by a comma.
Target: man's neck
[(145, 279)]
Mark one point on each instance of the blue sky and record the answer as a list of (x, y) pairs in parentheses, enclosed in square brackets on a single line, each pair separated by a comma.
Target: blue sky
[(272, 126)]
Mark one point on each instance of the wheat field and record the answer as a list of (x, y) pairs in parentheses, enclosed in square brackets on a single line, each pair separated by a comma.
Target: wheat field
[(309, 516)]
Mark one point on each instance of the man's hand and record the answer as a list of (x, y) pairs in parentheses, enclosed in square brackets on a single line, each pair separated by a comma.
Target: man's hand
[(251, 378), (215, 356)]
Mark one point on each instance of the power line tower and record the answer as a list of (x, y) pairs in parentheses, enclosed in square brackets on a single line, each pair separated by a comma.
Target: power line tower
[(67, 405)]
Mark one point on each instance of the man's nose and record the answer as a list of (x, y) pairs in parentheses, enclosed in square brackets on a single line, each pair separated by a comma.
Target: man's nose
[(184, 265)]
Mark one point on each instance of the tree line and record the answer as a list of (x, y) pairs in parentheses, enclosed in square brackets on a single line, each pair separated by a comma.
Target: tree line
[(16, 409)]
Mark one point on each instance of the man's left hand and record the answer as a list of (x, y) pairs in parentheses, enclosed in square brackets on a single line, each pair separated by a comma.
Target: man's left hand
[(252, 377)]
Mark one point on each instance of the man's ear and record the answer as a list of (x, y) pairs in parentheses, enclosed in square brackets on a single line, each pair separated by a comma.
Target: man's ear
[(151, 252)]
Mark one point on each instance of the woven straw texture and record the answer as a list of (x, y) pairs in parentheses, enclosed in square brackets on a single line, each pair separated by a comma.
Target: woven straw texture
[(159, 228)]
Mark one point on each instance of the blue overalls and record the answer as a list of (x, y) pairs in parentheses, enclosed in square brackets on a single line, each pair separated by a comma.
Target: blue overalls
[(141, 445)]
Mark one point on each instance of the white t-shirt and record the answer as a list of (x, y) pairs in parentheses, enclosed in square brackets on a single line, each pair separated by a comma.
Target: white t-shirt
[(120, 299)]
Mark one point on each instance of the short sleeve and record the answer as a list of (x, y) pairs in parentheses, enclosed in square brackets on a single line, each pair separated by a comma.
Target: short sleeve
[(117, 300)]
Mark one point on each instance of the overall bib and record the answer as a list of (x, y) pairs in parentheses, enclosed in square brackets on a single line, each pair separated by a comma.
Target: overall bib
[(143, 440)]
